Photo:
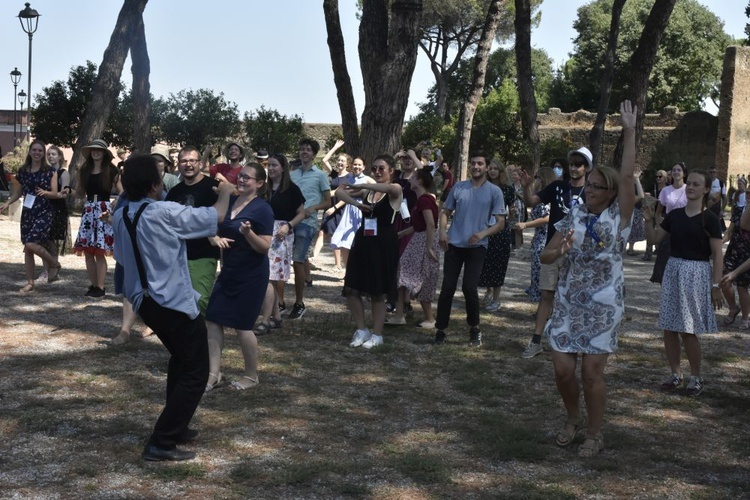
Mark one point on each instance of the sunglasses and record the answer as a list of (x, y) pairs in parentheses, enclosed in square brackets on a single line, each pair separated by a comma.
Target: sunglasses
[(380, 168)]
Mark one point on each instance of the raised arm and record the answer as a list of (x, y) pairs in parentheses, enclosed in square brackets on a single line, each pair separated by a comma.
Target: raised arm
[(329, 154), (626, 194)]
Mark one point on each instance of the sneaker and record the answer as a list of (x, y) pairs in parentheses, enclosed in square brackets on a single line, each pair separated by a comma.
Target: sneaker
[(492, 306), (694, 386), (90, 291), (297, 311), (96, 292), (373, 341), (360, 337), (475, 337), (439, 337), (428, 325), (672, 383), (42, 279), (532, 350), (487, 299), (390, 308), (282, 307)]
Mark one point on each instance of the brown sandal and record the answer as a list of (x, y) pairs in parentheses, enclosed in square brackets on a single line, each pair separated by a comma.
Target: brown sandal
[(237, 386), (565, 436), (592, 446), (28, 288)]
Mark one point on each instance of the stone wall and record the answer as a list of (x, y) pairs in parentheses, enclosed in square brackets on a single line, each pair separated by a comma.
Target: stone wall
[(733, 144)]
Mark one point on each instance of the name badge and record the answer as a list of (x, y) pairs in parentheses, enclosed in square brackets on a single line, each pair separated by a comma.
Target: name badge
[(28, 201), (371, 227)]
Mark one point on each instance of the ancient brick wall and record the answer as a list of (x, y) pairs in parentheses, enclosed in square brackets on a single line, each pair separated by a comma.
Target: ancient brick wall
[(733, 144)]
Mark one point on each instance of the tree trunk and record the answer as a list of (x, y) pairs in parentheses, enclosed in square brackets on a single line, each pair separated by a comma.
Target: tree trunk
[(388, 54), (341, 77), (477, 87), (107, 85), (141, 89), (526, 97), (642, 62), (605, 86)]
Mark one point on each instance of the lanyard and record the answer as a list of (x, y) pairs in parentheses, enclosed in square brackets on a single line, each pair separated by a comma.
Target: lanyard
[(590, 222)]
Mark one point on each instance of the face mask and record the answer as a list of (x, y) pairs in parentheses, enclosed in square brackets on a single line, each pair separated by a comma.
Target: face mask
[(558, 171)]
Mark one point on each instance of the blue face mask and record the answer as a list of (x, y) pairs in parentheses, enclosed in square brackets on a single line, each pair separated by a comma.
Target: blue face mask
[(558, 171)]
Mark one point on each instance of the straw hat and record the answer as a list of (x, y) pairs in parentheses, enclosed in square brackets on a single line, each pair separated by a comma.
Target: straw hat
[(97, 144)]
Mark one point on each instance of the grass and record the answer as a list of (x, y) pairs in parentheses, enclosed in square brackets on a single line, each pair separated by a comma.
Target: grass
[(405, 420)]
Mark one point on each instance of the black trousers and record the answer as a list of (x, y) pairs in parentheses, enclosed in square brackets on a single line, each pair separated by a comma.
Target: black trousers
[(187, 342), (471, 260)]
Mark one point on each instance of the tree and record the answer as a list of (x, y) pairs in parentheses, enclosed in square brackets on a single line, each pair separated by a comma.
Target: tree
[(270, 130), (388, 39), (747, 26), (605, 85), (198, 118), (688, 65), (475, 94), (141, 95), (107, 86), (526, 80)]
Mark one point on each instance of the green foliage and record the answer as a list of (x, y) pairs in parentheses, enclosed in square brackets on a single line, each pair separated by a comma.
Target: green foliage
[(270, 130), (688, 65), (497, 125), (747, 26), (197, 117)]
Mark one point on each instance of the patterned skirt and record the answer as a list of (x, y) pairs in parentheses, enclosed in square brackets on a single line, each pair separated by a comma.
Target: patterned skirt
[(686, 297), (94, 235), (738, 252), (638, 229), (417, 271), (280, 254)]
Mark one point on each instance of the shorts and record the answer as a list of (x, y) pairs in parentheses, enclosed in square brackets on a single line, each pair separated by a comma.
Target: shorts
[(549, 274), (303, 236), (202, 277)]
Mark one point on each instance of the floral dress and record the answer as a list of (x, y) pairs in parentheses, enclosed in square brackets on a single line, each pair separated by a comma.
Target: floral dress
[(538, 242), (36, 221), (498, 249), (590, 298), (95, 236), (738, 250)]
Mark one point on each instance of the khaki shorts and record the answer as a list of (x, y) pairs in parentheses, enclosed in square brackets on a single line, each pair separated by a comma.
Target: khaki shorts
[(548, 275)]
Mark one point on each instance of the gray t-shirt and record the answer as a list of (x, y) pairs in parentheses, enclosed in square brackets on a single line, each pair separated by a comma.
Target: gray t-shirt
[(474, 210)]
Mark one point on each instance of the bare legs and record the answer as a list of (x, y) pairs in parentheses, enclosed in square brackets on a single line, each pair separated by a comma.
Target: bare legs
[(357, 308), (96, 268), (692, 351), (594, 387), (31, 250), (249, 346)]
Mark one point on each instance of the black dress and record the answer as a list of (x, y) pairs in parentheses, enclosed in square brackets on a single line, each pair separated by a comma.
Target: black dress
[(373, 260), (498, 250), (60, 229)]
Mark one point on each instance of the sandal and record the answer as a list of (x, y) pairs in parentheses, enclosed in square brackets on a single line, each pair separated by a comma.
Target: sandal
[(592, 446), (566, 436), (53, 273), (28, 288), (731, 316), (210, 387), (276, 323), (241, 387), (262, 329)]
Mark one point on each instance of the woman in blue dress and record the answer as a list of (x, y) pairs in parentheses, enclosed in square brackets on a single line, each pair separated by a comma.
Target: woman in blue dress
[(241, 286), (37, 183)]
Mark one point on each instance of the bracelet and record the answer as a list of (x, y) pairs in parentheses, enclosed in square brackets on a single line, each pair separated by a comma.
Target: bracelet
[(289, 225), (715, 285)]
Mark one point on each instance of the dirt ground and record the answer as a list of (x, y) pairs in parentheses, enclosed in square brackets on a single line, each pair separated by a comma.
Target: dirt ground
[(407, 420)]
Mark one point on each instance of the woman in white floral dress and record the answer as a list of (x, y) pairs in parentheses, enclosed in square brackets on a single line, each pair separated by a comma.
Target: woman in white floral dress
[(589, 302)]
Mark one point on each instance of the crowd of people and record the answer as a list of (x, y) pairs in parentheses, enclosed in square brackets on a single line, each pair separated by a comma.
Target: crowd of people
[(233, 232)]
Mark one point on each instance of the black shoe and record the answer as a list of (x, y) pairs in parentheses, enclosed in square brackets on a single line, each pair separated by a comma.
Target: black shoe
[(475, 337), (297, 311), (439, 337), (390, 308), (188, 436), (96, 292), (90, 291), (308, 283), (155, 454), (282, 307)]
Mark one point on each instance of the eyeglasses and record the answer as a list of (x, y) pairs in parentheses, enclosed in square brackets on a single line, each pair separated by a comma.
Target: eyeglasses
[(596, 186), (245, 177), (189, 161)]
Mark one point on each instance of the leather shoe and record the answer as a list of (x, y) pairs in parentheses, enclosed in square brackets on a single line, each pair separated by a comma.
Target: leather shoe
[(155, 454), (188, 436)]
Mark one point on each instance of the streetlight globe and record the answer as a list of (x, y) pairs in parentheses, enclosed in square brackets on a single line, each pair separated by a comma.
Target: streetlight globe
[(15, 76), (22, 97), (29, 19)]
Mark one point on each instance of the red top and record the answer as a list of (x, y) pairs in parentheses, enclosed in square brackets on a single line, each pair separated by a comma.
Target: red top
[(425, 202), (226, 170)]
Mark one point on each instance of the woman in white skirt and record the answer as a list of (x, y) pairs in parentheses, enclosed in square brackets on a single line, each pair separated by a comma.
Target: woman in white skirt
[(351, 218), (690, 288)]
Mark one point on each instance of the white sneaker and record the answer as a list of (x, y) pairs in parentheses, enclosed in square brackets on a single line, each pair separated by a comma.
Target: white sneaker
[(492, 306), (360, 337), (373, 341), (532, 350)]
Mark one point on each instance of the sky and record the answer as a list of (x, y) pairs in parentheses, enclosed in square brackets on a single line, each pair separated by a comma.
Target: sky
[(257, 52)]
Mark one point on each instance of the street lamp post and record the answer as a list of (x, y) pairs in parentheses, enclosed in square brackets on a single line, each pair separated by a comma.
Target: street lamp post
[(15, 77), (29, 19), (21, 100)]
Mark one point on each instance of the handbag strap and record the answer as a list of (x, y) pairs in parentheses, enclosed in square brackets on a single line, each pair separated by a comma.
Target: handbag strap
[(136, 251)]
